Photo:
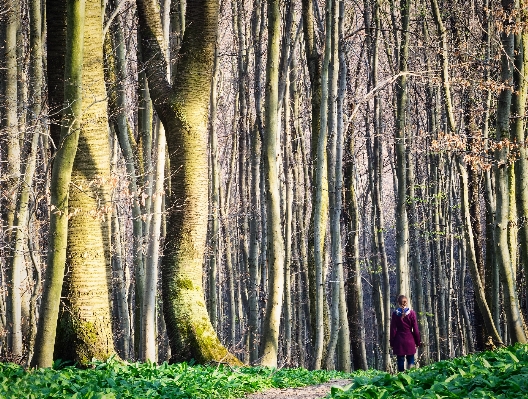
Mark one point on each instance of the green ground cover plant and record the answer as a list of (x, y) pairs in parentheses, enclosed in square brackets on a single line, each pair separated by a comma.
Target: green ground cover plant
[(499, 374), (115, 379)]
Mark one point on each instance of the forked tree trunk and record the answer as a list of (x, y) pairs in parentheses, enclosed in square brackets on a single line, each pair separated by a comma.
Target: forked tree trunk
[(183, 109)]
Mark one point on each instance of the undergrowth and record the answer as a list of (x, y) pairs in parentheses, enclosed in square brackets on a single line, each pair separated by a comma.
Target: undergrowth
[(499, 374), (115, 379), (493, 375)]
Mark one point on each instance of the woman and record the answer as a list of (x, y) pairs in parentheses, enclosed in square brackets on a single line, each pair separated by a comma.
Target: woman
[(404, 334)]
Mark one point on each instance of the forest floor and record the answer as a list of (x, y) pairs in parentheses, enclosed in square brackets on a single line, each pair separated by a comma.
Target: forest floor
[(309, 392)]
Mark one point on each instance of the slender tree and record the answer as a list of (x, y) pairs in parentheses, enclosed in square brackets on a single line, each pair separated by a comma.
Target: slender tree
[(402, 229), (275, 250), (514, 317)]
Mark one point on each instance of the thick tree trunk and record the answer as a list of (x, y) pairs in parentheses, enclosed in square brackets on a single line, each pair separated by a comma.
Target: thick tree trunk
[(183, 110), (84, 330), (60, 185)]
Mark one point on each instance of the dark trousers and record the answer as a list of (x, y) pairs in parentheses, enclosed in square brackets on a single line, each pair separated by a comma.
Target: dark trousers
[(400, 360)]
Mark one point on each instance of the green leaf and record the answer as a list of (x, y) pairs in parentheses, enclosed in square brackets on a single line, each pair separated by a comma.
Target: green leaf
[(512, 356), (399, 384), (406, 377)]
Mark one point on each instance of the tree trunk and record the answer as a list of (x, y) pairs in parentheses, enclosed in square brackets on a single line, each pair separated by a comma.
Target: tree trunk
[(215, 259), (343, 343), (517, 129), (320, 202), (502, 189), (288, 225), (255, 156), (60, 185), (479, 289), (313, 57), (271, 152), (149, 307), (402, 229), (183, 110), (84, 330)]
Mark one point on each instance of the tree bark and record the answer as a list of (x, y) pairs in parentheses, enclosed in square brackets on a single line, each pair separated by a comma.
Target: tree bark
[(520, 87), (271, 152), (402, 229), (60, 185), (502, 190), (84, 329), (183, 110)]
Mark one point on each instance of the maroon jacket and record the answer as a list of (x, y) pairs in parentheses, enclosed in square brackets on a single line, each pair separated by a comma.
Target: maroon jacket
[(404, 334)]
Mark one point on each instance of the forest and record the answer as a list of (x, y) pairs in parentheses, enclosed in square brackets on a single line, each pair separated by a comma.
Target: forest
[(256, 181)]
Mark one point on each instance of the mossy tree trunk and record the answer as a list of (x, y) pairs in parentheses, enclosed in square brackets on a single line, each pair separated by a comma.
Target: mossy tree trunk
[(183, 108), (60, 185), (84, 329)]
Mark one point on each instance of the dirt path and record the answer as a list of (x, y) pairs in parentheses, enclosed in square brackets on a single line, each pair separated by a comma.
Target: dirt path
[(310, 392)]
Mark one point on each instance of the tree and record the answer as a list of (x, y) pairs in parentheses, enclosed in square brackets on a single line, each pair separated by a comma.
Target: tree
[(60, 185), (84, 329), (14, 305), (183, 109), (512, 309), (275, 250), (402, 229), (446, 91)]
